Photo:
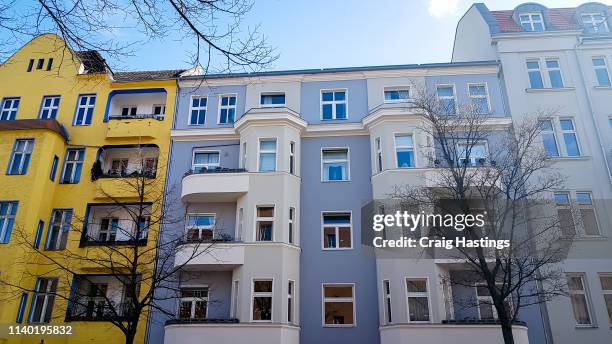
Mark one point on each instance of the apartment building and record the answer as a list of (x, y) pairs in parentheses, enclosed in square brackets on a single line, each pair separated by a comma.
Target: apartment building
[(559, 58), (62, 113), (273, 170)]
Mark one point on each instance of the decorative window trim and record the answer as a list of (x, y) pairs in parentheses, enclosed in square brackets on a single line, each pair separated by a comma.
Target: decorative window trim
[(227, 107), (337, 230), (426, 294), (352, 300), (198, 108), (333, 103)]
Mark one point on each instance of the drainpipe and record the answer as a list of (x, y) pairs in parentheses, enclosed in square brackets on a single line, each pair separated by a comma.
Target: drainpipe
[(590, 104)]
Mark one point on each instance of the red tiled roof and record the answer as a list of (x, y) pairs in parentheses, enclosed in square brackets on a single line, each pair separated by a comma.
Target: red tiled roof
[(558, 18), (505, 21)]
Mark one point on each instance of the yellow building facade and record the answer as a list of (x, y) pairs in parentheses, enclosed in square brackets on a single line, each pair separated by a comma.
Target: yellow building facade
[(71, 132)]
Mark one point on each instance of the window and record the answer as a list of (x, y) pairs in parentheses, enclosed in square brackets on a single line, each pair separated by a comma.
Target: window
[(144, 223), (291, 223), (446, 99), (290, 289), (193, 303), (267, 155), (554, 73), (474, 154), (8, 210), (30, 65), (203, 161), (94, 301), (262, 300), (108, 229), (198, 110), (227, 109), (486, 309), (42, 302), (39, 234), (418, 299), (54, 164), (264, 223), (235, 299), (397, 94), (20, 158), (565, 217), (292, 157), (579, 299), (548, 138), (59, 227), (601, 71), (73, 164), (119, 167), (531, 22), (404, 151), (22, 306), (129, 110), (535, 75), (337, 231), (40, 63), (333, 105), (594, 22), (244, 155), (49, 106), (9, 109), (335, 164), (200, 227), (159, 109), (85, 108), (379, 163), (272, 99), (387, 301), (606, 287), (586, 209), (49, 64), (479, 98), (150, 166), (569, 137), (338, 305), (240, 224)]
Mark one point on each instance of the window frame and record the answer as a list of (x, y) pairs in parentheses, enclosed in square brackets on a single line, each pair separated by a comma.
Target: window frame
[(291, 292), (259, 152), (193, 301), (592, 206), (594, 28), (606, 292), (587, 298), (5, 230), (200, 228), (574, 131), (292, 157), (10, 111), (86, 107), (395, 147), (198, 108), (333, 103), (532, 70), (486, 96), (353, 300), (484, 143), (82, 153), (418, 294), (396, 88), (51, 107), (269, 294), (336, 230), (227, 107), (548, 71), (203, 150), (272, 93), (348, 164), (48, 293), (454, 97), (604, 68), (265, 219), (62, 225), (387, 303), (552, 131), (531, 21), (291, 226), (378, 156), (28, 151)]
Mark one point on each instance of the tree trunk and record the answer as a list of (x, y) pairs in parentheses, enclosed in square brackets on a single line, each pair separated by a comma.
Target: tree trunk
[(129, 338), (505, 322), (507, 333)]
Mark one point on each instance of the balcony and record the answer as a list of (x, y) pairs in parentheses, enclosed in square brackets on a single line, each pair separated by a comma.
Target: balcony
[(210, 255), (220, 184), (459, 332), (136, 113), (231, 333), (98, 298), (115, 225)]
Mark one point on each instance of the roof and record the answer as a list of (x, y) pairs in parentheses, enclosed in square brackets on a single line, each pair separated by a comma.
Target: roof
[(92, 61), (147, 75), (558, 19), (28, 124)]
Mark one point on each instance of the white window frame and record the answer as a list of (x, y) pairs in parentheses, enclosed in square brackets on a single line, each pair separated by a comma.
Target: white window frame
[(243, 155), (85, 108), (207, 165), (548, 70), (259, 152), (292, 157), (201, 228), (265, 219), (162, 109), (460, 156), (488, 299), (193, 300), (387, 304), (395, 148), (378, 156), (129, 107), (333, 103), (604, 67), (454, 97), (606, 292), (593, 25), (324, 300), (337, 230), (291, 229), (553, 132), (574, 132), (8, 110), (532, 21), (486, 95), (291, 296), (235, 299), (539, 70), (80, 151), (27, 150), (227, 107), (50, 108), (199, 108), (262, 94), (587, 299), (426, 294), (109, 230), (396, 88), (262, 294), (7, 217), (348, 164)]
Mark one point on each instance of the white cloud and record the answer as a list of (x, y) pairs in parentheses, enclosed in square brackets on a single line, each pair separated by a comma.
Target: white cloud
[(443, 8)]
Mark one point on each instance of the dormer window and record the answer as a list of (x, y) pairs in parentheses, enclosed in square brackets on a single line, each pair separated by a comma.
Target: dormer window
[(594, 22), (532, 22)]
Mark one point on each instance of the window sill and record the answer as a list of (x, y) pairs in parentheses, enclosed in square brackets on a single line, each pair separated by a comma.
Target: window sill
[(586, 238), (337, 249), (570, 158), (333, 119), (338, 326), (335, 181), (586, 327), (549, 89), (603, 87)]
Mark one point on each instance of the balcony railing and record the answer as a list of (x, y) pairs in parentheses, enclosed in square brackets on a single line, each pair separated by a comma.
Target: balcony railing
[(141, 116), (96, 309), (195, 235), (217, 169), (202, 321)]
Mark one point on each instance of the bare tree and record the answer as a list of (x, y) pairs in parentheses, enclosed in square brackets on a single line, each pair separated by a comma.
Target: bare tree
[(508, 183), (111, 263), (215, 28)]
